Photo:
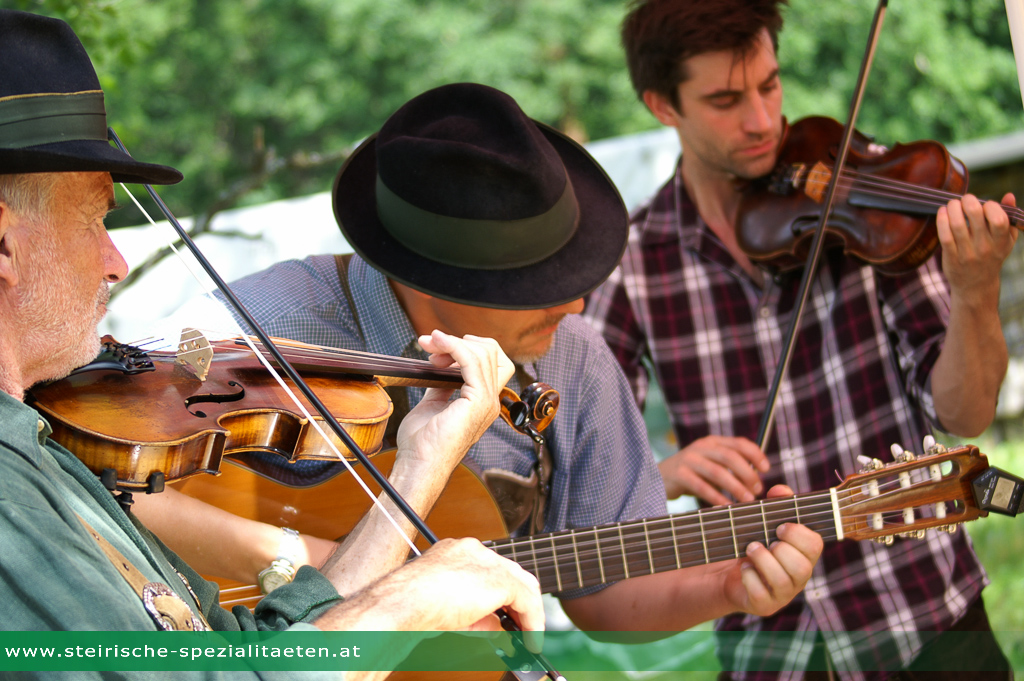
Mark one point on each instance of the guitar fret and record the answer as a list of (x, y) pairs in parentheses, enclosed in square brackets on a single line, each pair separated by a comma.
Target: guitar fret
[(622, 543), (576, 554), (703, 537), (675, 541), (554, 560), (600, 560), (764, 521), (796, 509), (536, 563), (647, 541), (732, 525)]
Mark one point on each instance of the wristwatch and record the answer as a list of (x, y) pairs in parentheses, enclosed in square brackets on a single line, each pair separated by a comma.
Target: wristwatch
[(282, 569)]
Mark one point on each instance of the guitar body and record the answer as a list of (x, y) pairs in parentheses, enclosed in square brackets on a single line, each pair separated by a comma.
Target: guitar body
[(332, 508)]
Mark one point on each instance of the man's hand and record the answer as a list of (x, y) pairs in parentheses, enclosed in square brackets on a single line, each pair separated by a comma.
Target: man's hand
[(976, 238), (769, 577), (455, 585), (714, 463), (437, 432)]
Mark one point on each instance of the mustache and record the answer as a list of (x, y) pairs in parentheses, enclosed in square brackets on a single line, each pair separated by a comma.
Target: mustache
[(545, 323)]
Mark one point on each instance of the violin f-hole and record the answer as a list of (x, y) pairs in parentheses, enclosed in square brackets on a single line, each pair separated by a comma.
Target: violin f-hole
[(216, 398)]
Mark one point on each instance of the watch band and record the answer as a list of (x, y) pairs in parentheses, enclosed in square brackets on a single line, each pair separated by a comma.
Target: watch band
[(288, 549), (282, 569)]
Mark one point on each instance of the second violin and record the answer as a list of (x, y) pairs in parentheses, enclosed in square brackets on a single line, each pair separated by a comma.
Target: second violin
[(885, 206)]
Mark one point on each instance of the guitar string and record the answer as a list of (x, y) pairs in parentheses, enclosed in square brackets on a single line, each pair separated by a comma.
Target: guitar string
[(654, 530), (323, 354)]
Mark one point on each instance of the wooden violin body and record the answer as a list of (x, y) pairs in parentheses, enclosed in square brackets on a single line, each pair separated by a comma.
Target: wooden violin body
[(140, 420), (166, 424), (885, 207)]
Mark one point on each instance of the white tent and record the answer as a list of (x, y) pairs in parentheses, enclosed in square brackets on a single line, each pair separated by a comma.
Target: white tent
[(295, 228)]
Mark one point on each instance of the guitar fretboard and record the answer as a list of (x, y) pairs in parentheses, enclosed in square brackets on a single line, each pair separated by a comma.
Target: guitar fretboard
[(571, 559)]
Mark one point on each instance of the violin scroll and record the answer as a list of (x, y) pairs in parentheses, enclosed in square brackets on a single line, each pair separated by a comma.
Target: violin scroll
[(531, 411)]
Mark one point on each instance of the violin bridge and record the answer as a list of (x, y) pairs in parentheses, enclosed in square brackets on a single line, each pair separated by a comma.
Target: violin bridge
[(194, 352)]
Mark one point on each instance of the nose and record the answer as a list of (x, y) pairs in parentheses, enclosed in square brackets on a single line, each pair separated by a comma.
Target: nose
[(114, 266), (757, 118)]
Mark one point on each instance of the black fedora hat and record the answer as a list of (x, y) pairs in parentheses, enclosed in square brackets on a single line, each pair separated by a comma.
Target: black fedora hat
[(462, 196), (52, 117)]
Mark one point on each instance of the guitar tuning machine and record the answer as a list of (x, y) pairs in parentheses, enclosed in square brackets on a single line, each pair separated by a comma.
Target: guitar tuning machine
[(948, 529), (887, 540), (868, 465), (912, 534)]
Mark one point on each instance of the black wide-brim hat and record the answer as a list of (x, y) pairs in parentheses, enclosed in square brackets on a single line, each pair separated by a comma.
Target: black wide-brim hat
[(52, 117), (462, 196)]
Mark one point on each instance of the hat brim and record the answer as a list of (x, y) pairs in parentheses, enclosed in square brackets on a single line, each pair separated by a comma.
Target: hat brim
[(85, 155), (571, 273)]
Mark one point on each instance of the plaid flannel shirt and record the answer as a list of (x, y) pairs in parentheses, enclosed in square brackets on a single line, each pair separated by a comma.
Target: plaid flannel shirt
[(858, 382)]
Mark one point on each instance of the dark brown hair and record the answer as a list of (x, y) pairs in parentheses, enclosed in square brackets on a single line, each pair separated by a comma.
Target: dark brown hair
[(659, 35)]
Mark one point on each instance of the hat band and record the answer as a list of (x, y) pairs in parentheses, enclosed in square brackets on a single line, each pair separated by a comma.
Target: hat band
[(32, 120), (479, 244)]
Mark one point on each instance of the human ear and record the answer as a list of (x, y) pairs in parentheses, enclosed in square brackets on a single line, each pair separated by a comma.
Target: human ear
[(662, 108), (8, 247)]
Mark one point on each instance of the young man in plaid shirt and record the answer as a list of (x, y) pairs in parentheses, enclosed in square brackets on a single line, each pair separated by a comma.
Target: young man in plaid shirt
[(878, 359)]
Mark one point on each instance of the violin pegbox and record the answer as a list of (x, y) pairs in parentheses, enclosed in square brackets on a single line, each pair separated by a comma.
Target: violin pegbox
[(911, 494)]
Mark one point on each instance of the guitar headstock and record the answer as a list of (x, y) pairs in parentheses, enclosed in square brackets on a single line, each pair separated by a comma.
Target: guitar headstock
[(939, 489)]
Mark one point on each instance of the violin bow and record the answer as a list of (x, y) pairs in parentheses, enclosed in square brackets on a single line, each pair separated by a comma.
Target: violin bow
[(818, 241), (540, 667), (1015, 19)]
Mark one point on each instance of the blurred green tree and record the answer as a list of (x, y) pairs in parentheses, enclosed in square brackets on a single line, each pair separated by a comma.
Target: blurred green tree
[(256, 100)]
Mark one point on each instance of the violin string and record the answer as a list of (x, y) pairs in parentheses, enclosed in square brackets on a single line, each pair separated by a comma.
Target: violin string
[(377, 363), (273, 372), (888, 187)]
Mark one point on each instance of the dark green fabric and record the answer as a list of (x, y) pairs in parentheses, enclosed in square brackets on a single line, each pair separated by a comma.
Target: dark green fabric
[(53, 575), (46, 119), (477, 243)]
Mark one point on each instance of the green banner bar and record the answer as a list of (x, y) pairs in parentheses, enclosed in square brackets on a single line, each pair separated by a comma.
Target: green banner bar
[(567, 651)]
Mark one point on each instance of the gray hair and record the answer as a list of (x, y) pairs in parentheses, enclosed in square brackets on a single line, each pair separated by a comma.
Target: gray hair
[(30, 194)]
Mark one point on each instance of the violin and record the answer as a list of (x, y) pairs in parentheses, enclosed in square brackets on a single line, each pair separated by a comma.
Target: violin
[(885, 208), (142, 419)]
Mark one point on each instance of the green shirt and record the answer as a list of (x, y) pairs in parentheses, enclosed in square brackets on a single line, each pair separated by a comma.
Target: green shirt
[(53, 575)]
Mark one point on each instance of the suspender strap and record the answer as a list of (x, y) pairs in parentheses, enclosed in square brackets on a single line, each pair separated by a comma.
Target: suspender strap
[(166, 607)]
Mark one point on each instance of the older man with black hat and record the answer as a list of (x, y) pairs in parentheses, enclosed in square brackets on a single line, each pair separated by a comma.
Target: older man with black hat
[(469, 217), (72, 558)]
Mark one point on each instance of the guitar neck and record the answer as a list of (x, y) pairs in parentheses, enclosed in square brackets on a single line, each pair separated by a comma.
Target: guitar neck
[(572, 559)]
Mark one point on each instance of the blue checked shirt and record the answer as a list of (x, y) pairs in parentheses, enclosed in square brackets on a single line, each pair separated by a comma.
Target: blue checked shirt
[(603, 468)]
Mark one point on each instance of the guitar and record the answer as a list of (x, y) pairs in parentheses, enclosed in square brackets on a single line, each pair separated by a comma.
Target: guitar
[(939, 490)]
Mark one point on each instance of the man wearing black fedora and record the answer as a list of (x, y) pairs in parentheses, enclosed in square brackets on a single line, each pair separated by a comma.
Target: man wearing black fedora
[(469, 217), (72, 558)]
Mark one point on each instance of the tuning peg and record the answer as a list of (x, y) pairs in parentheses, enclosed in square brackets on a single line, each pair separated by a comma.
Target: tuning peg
[(948, 529), (868, 464), (900, 455), (931, 447), (887, 540)]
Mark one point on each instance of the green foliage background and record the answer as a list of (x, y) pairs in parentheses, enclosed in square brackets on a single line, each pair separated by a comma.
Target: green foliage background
[(214, 86)]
